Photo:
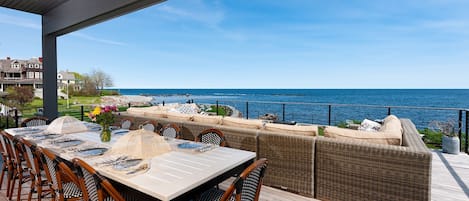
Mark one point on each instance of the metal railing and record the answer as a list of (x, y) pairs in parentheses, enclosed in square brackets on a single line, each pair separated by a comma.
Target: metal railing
[(314, 113)]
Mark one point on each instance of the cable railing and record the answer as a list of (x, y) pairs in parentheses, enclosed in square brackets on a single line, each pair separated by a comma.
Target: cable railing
[(310, 113)]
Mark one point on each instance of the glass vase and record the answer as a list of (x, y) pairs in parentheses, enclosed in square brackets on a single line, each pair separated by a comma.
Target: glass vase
[(105, 133)]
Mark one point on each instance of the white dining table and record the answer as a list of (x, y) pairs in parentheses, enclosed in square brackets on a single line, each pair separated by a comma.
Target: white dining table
[(172, 175)]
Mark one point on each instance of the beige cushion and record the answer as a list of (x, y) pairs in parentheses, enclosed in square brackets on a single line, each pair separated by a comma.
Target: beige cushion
[(390, 138), (243, 123), (156, 114), (391, 124), (136, 110), (292, 129), (208, 119), (179, 116)]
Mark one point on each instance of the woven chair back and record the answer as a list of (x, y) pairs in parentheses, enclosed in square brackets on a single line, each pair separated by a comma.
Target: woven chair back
[(211, 136), (34, 121), (170, 130)]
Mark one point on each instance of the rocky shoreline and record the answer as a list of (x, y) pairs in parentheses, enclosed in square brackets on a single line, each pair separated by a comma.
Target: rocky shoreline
[(125, 100)]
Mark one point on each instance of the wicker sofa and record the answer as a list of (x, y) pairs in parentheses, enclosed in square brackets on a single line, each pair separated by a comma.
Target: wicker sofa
[(327, 168)]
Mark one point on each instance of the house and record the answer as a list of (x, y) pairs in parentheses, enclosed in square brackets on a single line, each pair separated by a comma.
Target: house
[(16, 72)]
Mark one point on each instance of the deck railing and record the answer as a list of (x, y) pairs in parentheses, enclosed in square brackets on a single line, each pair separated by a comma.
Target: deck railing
[(314, 113)]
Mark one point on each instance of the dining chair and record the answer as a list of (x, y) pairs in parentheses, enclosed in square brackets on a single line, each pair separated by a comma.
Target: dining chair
[(64, 183), (7, 165), (211, 136), (245, 187), (39, 183), (171, 131), (149, 125), (19, 171), (34, 121), (126, 123), (93, 185)]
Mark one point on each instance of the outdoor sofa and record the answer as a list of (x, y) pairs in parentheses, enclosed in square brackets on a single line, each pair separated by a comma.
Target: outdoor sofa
[(321, 167)]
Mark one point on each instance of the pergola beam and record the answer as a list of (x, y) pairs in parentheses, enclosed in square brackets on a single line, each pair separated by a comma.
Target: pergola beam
[(76, 14), (70, 16)]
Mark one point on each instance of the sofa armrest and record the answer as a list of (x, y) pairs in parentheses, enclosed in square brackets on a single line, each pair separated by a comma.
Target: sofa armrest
[(352, 170), (291, 161)]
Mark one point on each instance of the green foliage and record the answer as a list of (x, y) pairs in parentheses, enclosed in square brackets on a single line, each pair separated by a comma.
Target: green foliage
[(431, 138), (108, 92), (19, 96), (3, 122), (221, 110)]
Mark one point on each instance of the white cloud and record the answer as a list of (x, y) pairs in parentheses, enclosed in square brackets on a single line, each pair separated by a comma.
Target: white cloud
[(99, 40), (19, 21)]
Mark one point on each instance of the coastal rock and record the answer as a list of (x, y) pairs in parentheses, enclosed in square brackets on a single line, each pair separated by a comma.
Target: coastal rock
[(134, 100)]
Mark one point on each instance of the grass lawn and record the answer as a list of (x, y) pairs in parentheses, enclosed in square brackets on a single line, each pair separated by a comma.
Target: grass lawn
[(74, 108)]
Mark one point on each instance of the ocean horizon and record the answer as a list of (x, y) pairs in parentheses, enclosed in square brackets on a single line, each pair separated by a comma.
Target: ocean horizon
[(310, 105)]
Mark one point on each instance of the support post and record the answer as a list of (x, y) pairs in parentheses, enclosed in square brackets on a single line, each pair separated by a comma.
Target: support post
[(82, 112), (247, 110), (16, 119), (329, 116), (283, 112), (217, 107), (467, 131), (7, 120), (49, 54), (460, 129)]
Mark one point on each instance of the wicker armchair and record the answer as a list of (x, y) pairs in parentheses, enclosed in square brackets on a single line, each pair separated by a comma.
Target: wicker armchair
[(93, 186), (171, 130), (211, 136), (150, 125), (37, 181), (246, 187), (34, 121), (18, 172), (64, 183)]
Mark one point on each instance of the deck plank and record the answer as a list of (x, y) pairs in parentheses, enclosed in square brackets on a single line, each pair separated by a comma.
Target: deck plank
[(450, 181)]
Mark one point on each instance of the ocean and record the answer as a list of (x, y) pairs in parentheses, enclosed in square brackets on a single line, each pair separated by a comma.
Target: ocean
[(311, 105)]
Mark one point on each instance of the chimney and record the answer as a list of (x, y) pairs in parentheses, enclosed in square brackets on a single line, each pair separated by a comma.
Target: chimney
[(8, 58), (40, 59)]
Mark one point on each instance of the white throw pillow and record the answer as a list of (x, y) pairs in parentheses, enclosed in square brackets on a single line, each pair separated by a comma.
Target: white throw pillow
[(368, 125)]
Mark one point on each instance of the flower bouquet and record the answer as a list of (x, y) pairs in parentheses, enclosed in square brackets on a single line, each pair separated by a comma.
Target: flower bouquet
[(103, 115)]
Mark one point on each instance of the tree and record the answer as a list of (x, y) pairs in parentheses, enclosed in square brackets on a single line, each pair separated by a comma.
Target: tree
[(19, 96), (101, 79), (89, 87)]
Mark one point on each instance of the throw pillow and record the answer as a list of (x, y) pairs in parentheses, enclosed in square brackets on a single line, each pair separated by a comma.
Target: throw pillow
[(368, 125)]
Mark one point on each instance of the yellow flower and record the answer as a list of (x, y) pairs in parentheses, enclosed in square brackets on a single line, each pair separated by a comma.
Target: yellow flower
[(96, 111)]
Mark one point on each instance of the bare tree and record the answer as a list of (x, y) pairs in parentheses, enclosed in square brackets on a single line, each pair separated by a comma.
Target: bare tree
[(101, 79)]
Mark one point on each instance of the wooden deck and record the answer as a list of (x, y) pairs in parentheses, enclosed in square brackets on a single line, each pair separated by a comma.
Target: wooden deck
[(450, 181)]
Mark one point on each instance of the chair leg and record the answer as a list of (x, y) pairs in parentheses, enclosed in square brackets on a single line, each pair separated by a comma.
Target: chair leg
[(12, 185), (3, 174), (20, 182), (39, 191), (32, 188)]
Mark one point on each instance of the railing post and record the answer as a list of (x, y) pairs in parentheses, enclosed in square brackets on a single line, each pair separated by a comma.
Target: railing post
[(247, 110), (16, 118), (467, 131), (283, 112), (389, 110), (163, 103), (7, 119), (129, 105), (329, 116), (217, 107), (460, 129), (82, 112)]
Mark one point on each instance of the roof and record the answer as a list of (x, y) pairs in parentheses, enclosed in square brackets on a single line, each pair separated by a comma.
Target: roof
[(38, 7), (67, 75)]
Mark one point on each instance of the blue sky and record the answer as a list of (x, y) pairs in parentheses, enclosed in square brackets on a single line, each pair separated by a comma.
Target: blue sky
[(265, 44)]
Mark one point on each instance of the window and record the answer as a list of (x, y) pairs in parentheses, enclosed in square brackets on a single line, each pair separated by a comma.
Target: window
[(30, 75), (30, 65), (38, 75), (36, 65)]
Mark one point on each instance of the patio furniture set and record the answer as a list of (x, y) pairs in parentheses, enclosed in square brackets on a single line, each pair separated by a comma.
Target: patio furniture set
[(333, 167), (64, 173)]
